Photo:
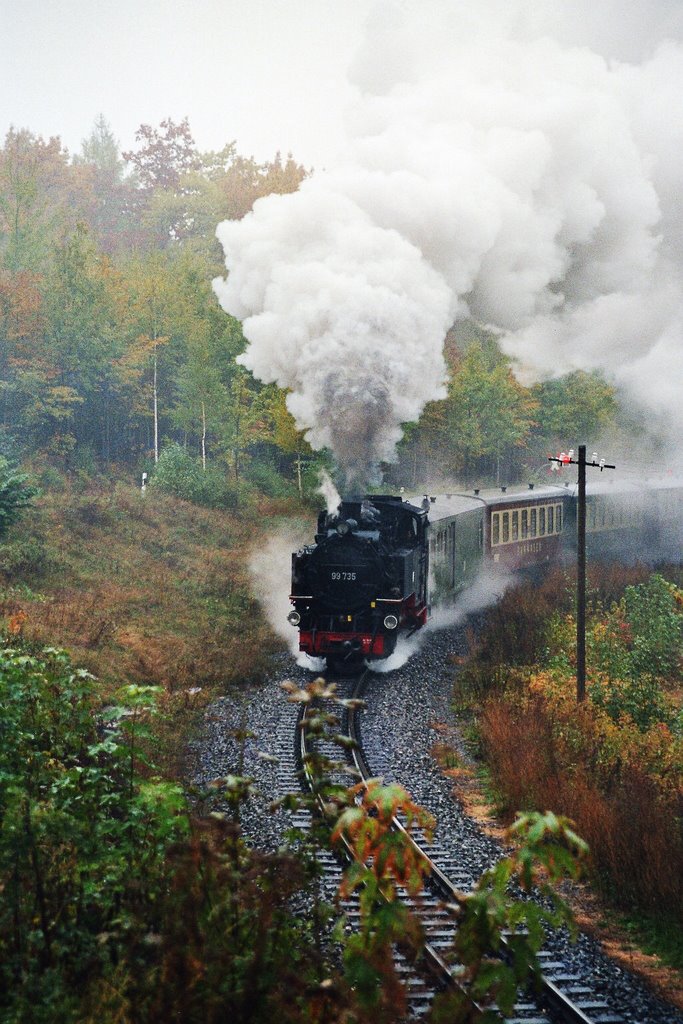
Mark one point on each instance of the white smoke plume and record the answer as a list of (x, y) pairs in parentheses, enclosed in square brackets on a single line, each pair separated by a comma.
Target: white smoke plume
[(329, 492), (486, 590), (517, 163), (270, 571)]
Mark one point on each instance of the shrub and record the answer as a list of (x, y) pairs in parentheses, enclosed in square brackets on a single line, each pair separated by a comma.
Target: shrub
[(269, 481), (621, 786), (613, 763), (25, 557), (513, 633), (15, 494), (181, 474), (51, 479), (82, 834), (640, 697), (654, 610)]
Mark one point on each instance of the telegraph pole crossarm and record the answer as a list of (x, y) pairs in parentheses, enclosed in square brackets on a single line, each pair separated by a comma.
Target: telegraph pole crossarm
[(567, 460)]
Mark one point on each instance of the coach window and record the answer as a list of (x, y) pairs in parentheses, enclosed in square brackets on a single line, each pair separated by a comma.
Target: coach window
[(524, 523), (506, 527), (558, 518), (541, 521), (515, 525), (495, 528), (532, 522), (551, 519)]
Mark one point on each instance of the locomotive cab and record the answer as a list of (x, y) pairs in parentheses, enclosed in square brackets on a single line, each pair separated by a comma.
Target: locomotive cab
[(362, 581)]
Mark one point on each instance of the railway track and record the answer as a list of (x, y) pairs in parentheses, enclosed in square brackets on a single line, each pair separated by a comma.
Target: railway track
[(565, 998)]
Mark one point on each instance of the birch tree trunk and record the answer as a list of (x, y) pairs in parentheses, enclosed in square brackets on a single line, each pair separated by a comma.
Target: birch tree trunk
[(203, 437), (156, 409)]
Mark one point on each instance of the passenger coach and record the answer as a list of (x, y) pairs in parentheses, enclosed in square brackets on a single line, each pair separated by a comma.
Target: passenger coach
[(525, 530)]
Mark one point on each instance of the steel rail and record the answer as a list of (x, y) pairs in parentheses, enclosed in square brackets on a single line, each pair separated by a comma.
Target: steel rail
[(441, 974), (557, 1002)]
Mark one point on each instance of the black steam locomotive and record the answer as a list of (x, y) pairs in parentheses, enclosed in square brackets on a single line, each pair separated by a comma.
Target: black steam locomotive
[(363, 580), (379, 562)]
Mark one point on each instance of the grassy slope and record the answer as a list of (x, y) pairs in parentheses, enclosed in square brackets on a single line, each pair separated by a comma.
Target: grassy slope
[(145, 589)]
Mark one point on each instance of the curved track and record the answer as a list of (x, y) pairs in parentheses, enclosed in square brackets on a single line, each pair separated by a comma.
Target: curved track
[(564, 997)]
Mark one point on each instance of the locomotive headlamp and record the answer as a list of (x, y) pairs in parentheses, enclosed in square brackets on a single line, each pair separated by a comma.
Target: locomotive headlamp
[(294, 617), (347, 526), (390, 621)]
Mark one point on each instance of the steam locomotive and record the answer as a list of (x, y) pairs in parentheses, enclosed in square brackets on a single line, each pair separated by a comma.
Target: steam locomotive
[(380, 562)]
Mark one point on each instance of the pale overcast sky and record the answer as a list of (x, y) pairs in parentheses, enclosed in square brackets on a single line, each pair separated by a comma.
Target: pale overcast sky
[(268, 73)]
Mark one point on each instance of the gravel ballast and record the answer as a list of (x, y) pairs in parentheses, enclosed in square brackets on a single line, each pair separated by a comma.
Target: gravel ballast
[(399, 728)]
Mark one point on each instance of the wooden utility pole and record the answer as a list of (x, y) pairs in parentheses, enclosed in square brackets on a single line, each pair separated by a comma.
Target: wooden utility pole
[(566, 460), (581, 579)]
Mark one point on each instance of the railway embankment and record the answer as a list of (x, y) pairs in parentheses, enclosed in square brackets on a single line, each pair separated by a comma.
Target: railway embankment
[(614, 763)]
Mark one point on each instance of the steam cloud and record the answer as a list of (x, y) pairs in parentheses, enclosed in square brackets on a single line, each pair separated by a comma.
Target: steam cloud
[(329, 492), (269, 567), (517, 163)]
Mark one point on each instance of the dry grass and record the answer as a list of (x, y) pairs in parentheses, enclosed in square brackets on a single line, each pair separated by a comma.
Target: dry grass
[(623, 788), (630, 819), (140, 589)]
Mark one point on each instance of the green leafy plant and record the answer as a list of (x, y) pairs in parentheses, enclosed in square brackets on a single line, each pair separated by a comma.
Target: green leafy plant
[(654, 611), (384, 859), (498, 937), (82, 834), (16, 494), (182, 475)]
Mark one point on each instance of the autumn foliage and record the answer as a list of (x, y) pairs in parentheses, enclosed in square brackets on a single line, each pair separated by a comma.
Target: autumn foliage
[(614, 763)]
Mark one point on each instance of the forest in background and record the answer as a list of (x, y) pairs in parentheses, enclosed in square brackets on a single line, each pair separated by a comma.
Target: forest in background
[(114, 350)]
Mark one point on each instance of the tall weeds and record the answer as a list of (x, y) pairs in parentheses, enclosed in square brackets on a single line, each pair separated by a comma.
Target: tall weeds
[(620, 786), (613, 764)]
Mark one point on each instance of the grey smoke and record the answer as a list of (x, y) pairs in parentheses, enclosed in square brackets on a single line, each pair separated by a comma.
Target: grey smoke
[(514, 163)]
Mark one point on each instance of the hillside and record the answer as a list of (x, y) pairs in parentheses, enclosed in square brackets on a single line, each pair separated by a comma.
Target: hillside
[(139, 588)]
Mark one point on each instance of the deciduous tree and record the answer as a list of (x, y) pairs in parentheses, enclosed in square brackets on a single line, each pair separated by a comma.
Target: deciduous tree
[(33, 198)]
